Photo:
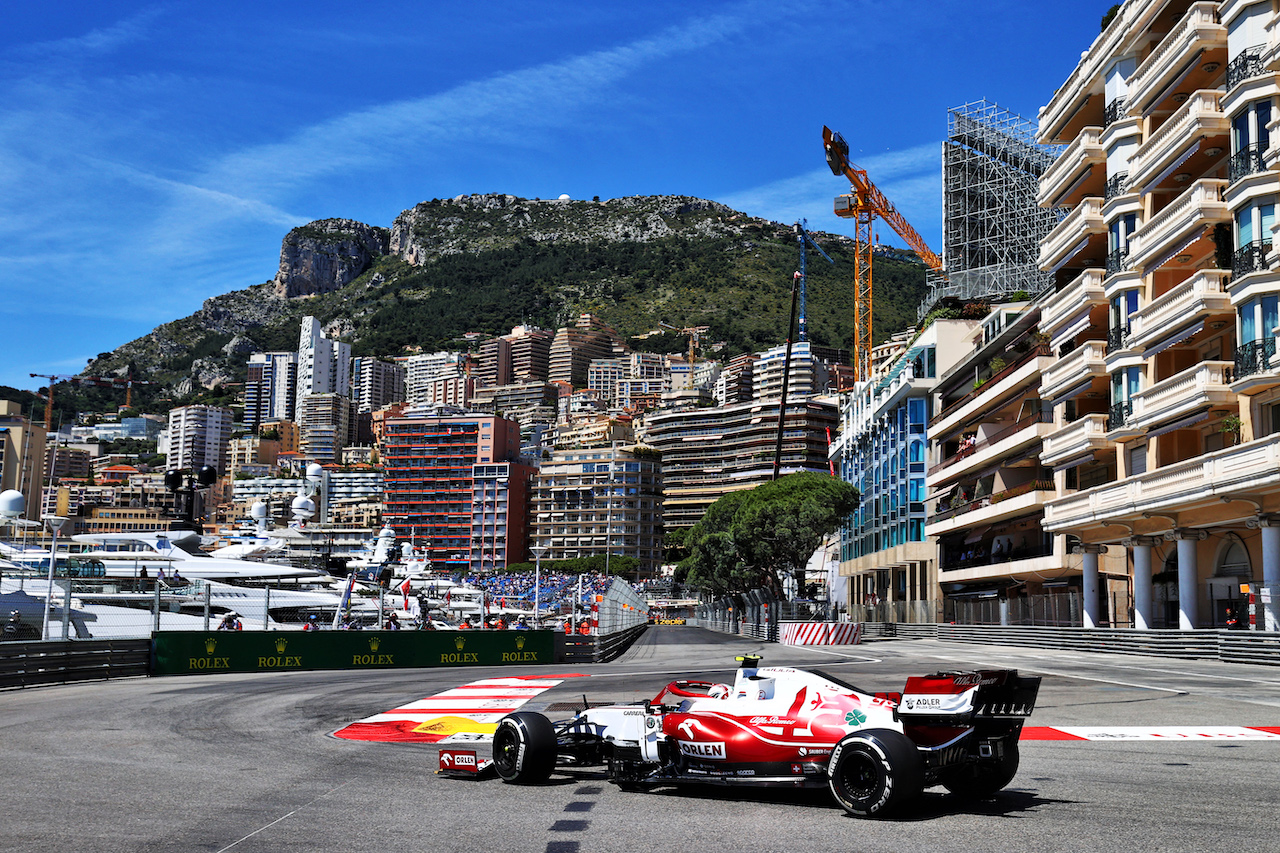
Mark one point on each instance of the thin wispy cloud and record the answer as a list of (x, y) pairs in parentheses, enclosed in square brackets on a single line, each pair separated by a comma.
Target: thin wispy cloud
[(94, 42), (911, 179)]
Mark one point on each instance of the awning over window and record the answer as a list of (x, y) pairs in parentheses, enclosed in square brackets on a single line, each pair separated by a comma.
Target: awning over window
[(1175, 338), (1077, 324)]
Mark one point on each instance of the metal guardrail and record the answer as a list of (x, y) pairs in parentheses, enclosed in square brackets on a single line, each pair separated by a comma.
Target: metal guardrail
[(1253, 647), (28, 664), (575, 648)]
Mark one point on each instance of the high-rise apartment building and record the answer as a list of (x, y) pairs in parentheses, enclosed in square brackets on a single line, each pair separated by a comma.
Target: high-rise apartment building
[(603, 500), (22, 449), (270, 388), (324, 365), (574, 348), (1166, 393), (423, 375), (430, 471), (198, 436), (376, 384), (709, 452), (530, 354), (324, 422)]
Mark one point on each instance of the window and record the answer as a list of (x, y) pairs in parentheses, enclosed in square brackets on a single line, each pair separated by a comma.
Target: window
[(1118, 234), (1249, 138)]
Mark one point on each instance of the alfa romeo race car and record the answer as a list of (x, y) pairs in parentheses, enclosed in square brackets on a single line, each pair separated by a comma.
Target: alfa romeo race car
[(784, 727)]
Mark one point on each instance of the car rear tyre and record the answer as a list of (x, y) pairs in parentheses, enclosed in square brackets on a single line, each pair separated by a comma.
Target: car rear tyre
[(985, 778), (524, 748), (874, 772)]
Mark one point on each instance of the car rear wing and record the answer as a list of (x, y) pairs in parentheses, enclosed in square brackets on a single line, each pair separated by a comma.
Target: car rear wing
[(950, 698)]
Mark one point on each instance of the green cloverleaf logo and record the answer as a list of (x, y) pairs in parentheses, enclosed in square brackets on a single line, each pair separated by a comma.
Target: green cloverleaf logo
[(855, 718)]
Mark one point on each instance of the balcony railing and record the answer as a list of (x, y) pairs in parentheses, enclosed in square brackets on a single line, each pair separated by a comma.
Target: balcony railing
[(1115, 111), (1254, 357), (1201, 296), (1037, 351), (1116, 185), (964, 506), (1200, 116), (1060, 308), (1247, 64), (1084, 152), (1086, 433), (1199, 30), (1120, 414), (1185, 393), (1116, 337), (1251, 257), (1084, 219), (1116, 260), (1045, 417), (1247, 161), (1086, 361), (1199, 205)]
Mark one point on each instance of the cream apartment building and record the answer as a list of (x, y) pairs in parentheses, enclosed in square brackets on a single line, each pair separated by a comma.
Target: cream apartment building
[(1165, 391)]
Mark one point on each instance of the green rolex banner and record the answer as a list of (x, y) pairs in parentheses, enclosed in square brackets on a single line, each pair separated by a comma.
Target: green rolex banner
[(189, 652)]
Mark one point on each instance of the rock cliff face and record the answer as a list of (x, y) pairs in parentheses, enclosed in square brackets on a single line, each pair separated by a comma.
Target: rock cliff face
[(327, 255), (492, 221)]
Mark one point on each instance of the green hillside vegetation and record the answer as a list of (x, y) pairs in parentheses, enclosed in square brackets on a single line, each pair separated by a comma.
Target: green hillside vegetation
[(485, 279)]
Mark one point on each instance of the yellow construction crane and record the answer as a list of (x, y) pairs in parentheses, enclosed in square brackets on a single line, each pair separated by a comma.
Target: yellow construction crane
[(694, 333), (100, 381), (863, 205)]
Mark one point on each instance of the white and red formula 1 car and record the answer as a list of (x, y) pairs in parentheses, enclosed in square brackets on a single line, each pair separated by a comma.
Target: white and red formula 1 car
[(784, 727)]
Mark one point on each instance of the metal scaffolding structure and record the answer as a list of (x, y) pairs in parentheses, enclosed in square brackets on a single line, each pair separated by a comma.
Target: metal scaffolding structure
[(992, 225)]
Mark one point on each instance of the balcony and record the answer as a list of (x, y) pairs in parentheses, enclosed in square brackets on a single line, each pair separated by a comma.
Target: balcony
[(1199, 297), (1120, 415), (1078, 438), (1179, 225), (1072, 301), (1010, 503), (995, 446), (1069, 235), (1247, 161), (1248, 64), (1199, 32), (1086, 362), (1251, 257), (1116, 186), (1179, 488), (1060, 184), (1200, 117), (1183, 394), (1254, 357)]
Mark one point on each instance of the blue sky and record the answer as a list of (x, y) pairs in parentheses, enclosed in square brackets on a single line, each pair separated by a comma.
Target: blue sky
[(154, 154)]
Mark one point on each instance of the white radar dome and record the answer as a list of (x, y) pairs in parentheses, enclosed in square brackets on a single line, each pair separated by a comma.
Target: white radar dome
[(315, 473), (12, 503), (564, 197), (258, 511), (303, 507)]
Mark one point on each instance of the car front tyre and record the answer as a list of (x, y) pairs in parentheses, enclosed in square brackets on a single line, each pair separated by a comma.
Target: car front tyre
[(875, 772), (524, 748)]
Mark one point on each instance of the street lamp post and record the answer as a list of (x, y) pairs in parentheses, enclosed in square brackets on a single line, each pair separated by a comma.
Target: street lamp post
[(537, 551)]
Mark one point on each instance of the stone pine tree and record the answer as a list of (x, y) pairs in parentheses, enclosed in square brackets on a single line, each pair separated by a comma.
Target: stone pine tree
[(755, 538)]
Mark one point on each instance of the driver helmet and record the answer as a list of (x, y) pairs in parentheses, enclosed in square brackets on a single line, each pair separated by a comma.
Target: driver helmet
[(14, 614)]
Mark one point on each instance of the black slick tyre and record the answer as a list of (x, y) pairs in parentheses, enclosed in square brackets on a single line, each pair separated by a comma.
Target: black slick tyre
[(985, 778), (875, 772), (524, 748)]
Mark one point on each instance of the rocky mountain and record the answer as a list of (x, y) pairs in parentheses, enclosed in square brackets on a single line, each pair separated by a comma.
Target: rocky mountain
[(450, 271)]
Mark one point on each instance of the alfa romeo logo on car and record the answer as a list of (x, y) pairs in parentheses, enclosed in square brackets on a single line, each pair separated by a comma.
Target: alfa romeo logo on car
[(855, 718)]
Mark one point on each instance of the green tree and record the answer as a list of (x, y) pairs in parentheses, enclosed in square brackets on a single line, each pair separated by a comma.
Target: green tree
[(754, 538)]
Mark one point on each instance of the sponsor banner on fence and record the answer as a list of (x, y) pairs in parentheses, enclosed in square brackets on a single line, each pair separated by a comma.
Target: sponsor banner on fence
[(820, 633), (192, 652)]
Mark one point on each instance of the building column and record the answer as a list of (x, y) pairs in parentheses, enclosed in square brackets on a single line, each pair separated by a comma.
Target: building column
[(1188, 576), (1141, 579), (1269, 525), (1089, 582)]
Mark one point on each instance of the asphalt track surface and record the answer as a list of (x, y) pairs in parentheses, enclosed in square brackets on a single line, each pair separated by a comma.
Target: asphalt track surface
[(247, 763)]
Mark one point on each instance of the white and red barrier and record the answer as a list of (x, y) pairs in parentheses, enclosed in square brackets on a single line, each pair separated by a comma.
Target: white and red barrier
[(820, 633)]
